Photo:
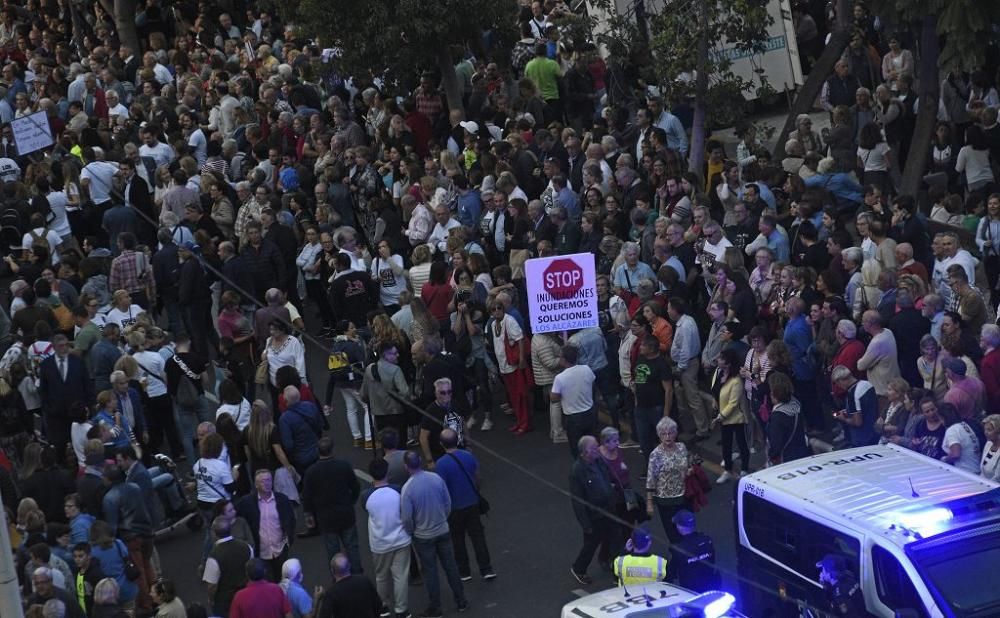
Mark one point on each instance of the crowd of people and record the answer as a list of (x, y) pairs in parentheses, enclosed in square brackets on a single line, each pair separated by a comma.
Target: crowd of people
[(219, 201)]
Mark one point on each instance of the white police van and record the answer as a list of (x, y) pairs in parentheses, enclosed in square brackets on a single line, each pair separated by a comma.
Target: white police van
[(658, 600), (921, 536)]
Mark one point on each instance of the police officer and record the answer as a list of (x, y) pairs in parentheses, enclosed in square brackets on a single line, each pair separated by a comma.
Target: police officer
[(841, 586), (639, 565), (692, 559)]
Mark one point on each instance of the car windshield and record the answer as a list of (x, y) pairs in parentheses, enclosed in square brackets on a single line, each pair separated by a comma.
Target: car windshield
[(961, 570)]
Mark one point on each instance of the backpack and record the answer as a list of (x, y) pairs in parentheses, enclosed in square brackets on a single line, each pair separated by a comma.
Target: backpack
[(40, 240), (63, 316), (187, 393)]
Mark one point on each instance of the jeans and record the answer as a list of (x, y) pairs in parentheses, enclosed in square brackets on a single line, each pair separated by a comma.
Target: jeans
[(607, 385), (357, 411), (689, 397), (348, 538), (188, 420), (165, 486), (602, 533), (645, 426), (430, 551), (392, 572), (739, 432), (467, 521), (579, 425)]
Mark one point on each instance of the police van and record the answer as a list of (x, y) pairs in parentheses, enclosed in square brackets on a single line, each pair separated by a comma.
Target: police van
[(657, 600), (921, 537)]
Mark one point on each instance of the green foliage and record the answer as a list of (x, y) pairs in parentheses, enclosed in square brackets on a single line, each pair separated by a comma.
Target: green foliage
[(739, 26), (396, 38), (964, 26)]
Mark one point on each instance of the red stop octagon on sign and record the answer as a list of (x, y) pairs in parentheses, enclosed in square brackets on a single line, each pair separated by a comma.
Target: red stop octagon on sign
[(563, 278)]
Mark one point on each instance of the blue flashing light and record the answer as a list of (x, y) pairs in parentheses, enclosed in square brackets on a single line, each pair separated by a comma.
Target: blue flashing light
[(925, 518), (712, 604)]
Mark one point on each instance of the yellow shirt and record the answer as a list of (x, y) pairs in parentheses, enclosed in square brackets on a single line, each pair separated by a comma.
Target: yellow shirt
[(631, 569)]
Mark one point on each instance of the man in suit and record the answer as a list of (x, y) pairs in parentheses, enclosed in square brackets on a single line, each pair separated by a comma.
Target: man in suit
[(137, 196), (541, 227), (65, 387), (271, 545), (284, 239)]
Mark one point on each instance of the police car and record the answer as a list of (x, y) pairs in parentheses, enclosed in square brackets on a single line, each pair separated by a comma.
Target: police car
[(658, 600), (920, 537)]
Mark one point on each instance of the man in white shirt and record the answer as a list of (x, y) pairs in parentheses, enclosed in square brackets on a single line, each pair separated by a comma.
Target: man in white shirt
[(58, 202), (115, 108), (160, 72), (162, 153), (388, 540), (948, 251), (438, 240), (97, 177), (421, 221), (574, 388), (195, 136)]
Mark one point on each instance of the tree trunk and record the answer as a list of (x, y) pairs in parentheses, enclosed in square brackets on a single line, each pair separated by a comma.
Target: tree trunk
[(821, 69), (449, 79), (923, 132), (845, 15), (124, 13), (696, 152)]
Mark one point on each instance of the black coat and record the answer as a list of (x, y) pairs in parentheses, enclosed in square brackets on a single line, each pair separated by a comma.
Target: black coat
[(60, 396), (592, 484), (193, 283), (265, 266), (166, 272), (329, 493)]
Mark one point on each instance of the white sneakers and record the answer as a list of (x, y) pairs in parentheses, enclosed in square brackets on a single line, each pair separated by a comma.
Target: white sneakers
[(486, 426), (726, 476)]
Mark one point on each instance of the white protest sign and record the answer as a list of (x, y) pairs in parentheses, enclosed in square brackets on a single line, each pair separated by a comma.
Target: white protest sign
[(32, 133), (562, 292)]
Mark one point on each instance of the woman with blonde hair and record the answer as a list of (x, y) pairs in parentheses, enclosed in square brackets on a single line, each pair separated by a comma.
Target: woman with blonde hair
[(915, 286), (263, 441), (420, 271), (868, 293), (990, 463)]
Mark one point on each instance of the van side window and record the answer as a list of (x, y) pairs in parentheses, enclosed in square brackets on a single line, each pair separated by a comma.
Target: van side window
[(794, 541), (895, 589)]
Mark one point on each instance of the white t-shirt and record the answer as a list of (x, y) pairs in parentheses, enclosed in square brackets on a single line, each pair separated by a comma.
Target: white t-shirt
[(162, 153), (101, 176), (511, 331), (961, 434), (199, 144), (124, 318), (975, 164), (153, 368), (58, 203), (209, 474), (390, 284), (240, 413), (385, 527), (874, 160), (50, 236), (576, 387)]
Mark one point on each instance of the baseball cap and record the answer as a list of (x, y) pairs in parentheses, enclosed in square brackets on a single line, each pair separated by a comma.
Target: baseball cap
[(469, 126), (640, 540), (956, 365), (683, 518)]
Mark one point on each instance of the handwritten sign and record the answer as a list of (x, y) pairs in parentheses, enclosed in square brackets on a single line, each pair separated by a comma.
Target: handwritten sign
[(32, 133)]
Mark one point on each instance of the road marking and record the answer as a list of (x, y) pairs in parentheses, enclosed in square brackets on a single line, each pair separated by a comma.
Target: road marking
[(364, 476), (580, 592)]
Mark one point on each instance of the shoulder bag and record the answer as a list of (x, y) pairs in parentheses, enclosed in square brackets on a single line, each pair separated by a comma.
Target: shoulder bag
[(484, 504), (128, 565)]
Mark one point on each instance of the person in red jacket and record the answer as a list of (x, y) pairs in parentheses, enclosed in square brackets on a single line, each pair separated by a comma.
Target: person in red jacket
[(847, 354), (989, 367)]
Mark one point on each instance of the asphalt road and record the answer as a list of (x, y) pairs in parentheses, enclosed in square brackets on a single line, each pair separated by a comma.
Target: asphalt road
[(531, 531)]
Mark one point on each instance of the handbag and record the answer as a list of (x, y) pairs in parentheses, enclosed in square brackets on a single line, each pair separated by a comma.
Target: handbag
[(484, 504), (263, 373), (128, 565)]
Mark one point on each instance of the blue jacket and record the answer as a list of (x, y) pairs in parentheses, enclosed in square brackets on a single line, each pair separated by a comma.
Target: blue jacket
[(798, 338), (470, 205), (841, 185), (301, 427)]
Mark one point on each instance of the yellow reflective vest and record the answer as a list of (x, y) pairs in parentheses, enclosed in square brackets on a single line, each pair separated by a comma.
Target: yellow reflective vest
[(631, 569)]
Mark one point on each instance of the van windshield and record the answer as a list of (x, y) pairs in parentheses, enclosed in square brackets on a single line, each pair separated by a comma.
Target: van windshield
[(961, 570)]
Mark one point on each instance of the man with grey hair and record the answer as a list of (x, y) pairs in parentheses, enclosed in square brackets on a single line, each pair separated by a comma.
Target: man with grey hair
[(440, 414), (934, 311), (274, 310), (881, 359), (631, 271), (861, 408), (848, 352), (593, 497), (45, 591), (301, 426), (851, 257), (989, 367)]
